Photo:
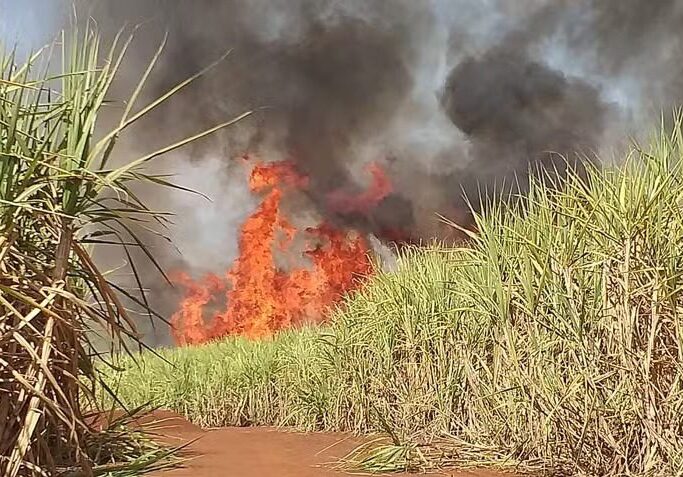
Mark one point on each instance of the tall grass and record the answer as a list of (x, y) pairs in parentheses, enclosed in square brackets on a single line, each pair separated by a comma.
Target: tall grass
[(59, 195), (552, 343)]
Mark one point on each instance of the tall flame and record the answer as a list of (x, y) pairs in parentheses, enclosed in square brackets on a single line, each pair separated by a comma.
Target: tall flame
[(261, 298)]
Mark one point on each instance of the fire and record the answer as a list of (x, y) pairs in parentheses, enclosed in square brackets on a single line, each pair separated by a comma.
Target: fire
[(379, 188), (261, 298)]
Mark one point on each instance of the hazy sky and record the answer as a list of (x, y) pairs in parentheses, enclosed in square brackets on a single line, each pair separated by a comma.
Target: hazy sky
[(29, 24)]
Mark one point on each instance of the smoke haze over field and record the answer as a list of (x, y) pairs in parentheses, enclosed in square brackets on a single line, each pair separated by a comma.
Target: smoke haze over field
[(445, 94)]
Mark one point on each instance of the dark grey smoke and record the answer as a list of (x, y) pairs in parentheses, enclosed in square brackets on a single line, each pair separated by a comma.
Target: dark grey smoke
[(567, 80), (332, 77), (545, 82), (519, 114)]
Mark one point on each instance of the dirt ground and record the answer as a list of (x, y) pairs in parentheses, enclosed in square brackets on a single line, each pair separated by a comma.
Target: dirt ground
[(257, 452)]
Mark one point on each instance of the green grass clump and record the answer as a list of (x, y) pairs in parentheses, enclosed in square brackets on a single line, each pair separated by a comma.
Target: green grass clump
[(551, 343), (233, 382)]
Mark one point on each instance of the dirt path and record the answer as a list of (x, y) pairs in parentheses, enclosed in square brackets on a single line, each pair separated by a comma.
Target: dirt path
[(258, 452)]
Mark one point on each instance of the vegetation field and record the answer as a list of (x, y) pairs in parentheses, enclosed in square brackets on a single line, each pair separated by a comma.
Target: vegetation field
[(550, 343)]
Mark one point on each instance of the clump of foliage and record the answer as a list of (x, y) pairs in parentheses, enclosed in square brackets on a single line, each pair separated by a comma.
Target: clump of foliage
[(553, 342), (58, 196)]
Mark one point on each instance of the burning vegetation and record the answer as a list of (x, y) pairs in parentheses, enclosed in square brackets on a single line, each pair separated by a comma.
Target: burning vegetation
[(453, 98), (261, 297)]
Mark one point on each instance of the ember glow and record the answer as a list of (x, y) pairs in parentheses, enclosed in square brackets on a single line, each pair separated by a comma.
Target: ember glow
[(256, 298)]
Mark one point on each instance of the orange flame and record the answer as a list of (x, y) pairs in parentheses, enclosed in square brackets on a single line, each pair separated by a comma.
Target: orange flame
[(380, 187), (261, 298)]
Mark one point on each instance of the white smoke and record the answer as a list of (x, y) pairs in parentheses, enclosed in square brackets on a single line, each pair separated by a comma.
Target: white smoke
[(206, 228)]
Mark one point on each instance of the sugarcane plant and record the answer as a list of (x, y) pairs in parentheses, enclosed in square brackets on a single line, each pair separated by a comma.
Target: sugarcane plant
[(59, 195)]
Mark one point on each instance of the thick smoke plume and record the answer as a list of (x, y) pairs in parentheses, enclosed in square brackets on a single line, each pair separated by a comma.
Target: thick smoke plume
[(445, 95)]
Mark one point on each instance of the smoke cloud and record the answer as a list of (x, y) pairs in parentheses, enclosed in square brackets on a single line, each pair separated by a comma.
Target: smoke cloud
[(446, 95)]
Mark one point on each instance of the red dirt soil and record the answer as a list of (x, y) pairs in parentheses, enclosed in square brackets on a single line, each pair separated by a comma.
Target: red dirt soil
[(258, 451)]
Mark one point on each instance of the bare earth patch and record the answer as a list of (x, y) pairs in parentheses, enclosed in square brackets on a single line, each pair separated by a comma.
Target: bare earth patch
[(258, 451)]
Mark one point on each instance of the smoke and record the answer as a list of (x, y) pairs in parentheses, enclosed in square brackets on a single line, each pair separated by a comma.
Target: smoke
[(445, 95)]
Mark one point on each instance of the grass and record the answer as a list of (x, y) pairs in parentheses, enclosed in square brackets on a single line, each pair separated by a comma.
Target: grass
[(59, 196), (551, 344), (122, 449)]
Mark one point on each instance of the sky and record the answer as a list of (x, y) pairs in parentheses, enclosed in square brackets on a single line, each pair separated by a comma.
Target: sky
[(29, 24)]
